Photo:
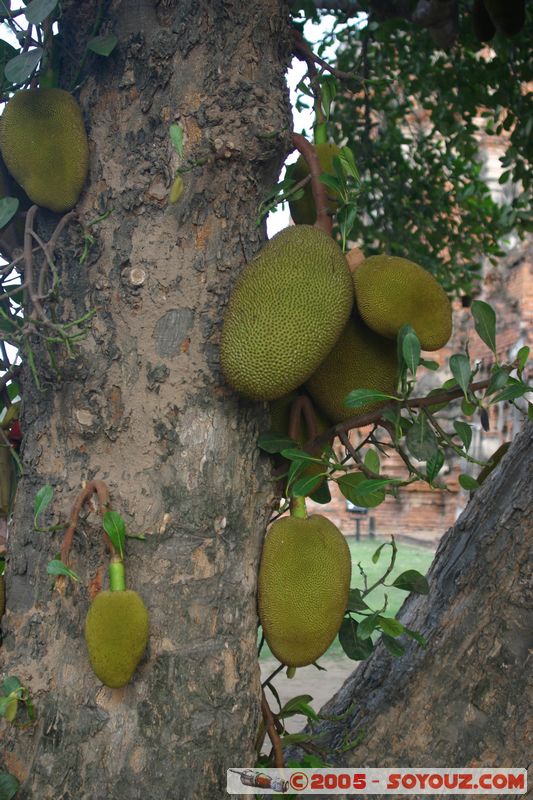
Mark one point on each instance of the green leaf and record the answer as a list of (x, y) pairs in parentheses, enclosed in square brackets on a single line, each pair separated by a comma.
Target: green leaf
[(416, 636), (18, 69), (369, 498), (467, 407), (115, 527), (43, 498), (355, 601), (367, 626), (412, 581), (9, 786), (485, 323), (328, 91), (354, 648), (434, 465), (421, 440), (522, 357), (360, 397), (8, 209), (331, 182), (103, 45), (513, 391), (273, 442), (460, 367), (411, 351), (372, 461), (306, 485), (39, 10), (468, 482), (176, 137), (11, 684), (321, 495), (293, 454), (7, 52), (347, 160), (391, 626), (56, 567), (395, 648), (498, 380), (8, 708), (377, 553), (429, 364), (299, 705), (464, 432)]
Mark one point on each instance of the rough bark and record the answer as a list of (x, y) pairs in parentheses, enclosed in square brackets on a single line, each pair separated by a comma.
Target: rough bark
[(144, 408), (462, 701)]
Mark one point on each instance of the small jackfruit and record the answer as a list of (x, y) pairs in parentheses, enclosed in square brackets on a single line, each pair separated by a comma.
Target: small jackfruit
[(303, 210), (116, 632), (391, 292), (360, 359), (44, 145), (304, 581), (286, 311)]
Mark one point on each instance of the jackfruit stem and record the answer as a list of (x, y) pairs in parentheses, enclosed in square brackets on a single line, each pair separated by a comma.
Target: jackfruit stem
[(297, 508), (291, 672), (117, 575)]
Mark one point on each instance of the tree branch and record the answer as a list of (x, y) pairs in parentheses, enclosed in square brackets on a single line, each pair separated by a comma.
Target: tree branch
[(323, 220)]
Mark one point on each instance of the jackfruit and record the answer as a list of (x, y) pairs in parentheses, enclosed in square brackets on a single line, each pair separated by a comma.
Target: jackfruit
[(116, 632), (483, 26), (304, 581), (361, 359), (44, 145), (286, 312), (391, 292), (303, 211), (508, 16)]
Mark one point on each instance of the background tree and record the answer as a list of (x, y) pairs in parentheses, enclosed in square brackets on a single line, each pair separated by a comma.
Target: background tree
[(143, 406)]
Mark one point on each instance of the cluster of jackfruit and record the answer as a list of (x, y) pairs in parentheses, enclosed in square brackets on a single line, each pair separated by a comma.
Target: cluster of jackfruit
[(298, 316), (44, 146), (497, 16)]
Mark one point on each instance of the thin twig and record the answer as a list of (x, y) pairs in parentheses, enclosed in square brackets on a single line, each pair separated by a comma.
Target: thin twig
[(323, 220), (273, 735), (304, 53), (93, 487)]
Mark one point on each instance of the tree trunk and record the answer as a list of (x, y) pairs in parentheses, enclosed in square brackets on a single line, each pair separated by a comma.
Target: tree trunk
[(144, 408), (462, 701)]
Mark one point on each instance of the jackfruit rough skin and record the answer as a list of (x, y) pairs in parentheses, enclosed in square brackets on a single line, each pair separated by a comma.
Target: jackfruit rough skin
[(508, 16), (483, 26), (304, 580), (286, 312), (361, 359), (303, 211), (44, 146), (391, 292), (116, 632)]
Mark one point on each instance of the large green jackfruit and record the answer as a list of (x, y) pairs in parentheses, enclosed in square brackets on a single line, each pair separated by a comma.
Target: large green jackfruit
[(360, 359), (303, 210), (304, 581), (116, 632), (286, 311), (44, 145), (391, 292)]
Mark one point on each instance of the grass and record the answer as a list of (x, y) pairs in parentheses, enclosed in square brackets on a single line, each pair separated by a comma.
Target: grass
[(409, 556)]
